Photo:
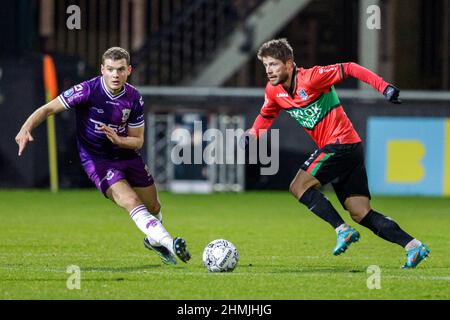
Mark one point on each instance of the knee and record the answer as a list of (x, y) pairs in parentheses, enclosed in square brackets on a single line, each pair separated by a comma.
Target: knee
[(298, 187), (355, 217), (128, 202), (292, 188), (154, 208), (358, 207), (296, 190), (301, 183), (358, 214)]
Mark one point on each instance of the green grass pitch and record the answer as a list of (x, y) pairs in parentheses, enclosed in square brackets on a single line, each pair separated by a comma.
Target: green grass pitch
[(285, 250)]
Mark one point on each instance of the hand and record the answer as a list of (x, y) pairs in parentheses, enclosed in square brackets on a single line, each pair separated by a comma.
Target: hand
[(23, 137), (244, 140), (110, 134), (391, 93)]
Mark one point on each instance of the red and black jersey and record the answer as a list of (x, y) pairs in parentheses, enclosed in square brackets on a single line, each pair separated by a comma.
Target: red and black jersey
[(313, 102)]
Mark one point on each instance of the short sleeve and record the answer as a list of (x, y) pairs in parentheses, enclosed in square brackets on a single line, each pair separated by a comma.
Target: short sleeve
[(76, 95), (136, 119)]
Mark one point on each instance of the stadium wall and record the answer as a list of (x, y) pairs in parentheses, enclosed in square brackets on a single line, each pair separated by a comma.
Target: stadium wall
[(21, 92), (295, 145)]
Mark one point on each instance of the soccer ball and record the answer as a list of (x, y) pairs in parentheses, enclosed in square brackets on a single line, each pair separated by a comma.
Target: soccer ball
[(220, 255)]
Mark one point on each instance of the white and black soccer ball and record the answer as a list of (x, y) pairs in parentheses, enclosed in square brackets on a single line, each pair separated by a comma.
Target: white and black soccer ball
[(220, 255)]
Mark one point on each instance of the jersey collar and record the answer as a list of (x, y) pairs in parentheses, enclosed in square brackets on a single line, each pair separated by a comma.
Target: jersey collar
[(291, 90), (108, 93)]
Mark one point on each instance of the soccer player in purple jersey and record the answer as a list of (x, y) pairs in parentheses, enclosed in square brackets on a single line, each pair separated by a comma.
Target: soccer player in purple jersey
[(110, 131)]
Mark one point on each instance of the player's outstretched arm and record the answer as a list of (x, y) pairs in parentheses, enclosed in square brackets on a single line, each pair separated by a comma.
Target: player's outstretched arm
[(390, 92), (35, 119), (260, 126), (269, 112)]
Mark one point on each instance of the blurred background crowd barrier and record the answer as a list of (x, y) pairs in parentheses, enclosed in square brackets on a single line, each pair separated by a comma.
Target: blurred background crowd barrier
[(195, 60)]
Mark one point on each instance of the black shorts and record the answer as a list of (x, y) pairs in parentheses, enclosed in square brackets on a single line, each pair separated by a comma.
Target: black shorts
[(343, 166)]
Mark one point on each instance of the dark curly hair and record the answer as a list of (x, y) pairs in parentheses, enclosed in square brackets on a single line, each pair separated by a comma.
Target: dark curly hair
[(277, 48)]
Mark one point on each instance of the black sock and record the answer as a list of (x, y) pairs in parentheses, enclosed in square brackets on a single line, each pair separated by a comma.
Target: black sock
[(321, 206), (385, 228)]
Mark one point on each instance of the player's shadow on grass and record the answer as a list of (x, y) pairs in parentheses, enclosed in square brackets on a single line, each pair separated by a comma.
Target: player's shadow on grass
[(121, 269), (303, 269)]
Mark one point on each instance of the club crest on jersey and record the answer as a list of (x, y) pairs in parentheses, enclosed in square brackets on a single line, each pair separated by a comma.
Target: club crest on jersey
[(125, 114), (109, 175), (302, 93), (68, 93)]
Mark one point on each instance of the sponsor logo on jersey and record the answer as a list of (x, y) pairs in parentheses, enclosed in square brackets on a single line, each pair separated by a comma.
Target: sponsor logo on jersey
[(313, 113), (324, 70), (302, 94), (141, 101), (125, 114), (68, 93), (116, 128), (282, 95), (307, 116), (98, 110)]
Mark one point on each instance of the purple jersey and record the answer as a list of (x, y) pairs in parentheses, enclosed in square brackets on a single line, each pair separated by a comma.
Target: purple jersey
[(94, 105)]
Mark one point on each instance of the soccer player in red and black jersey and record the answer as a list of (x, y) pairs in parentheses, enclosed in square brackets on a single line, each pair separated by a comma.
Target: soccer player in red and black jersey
[(308, 95)]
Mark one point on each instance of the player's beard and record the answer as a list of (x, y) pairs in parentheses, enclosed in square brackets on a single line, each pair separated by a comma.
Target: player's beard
[(282, 78)]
